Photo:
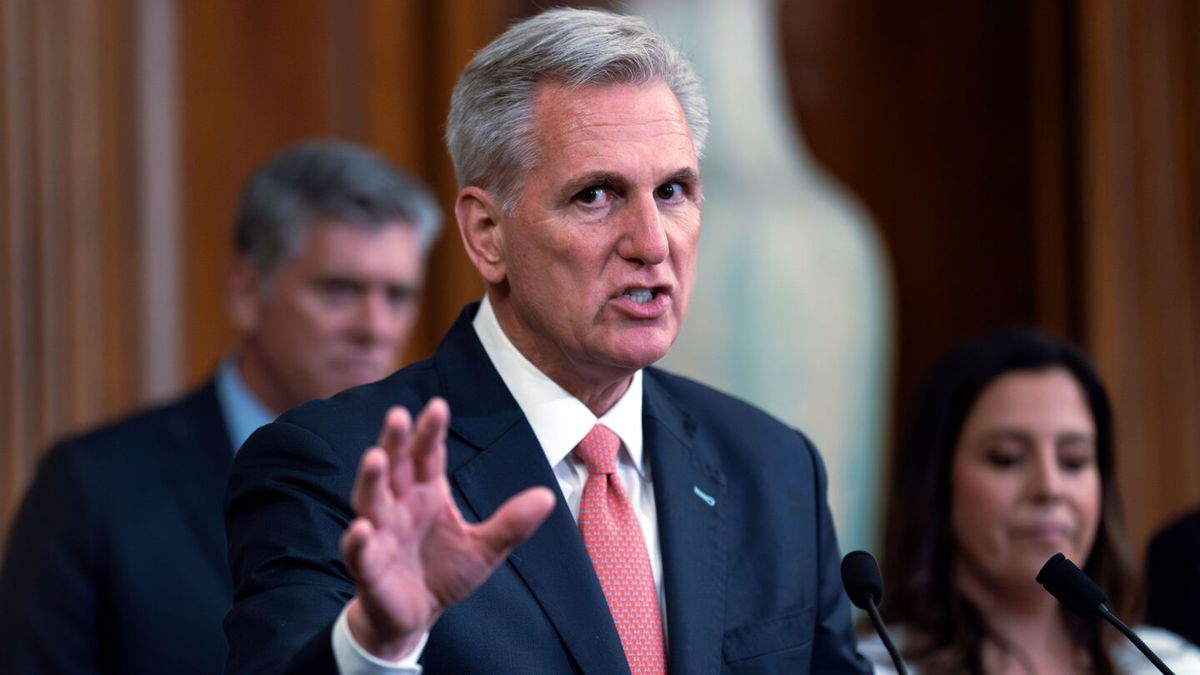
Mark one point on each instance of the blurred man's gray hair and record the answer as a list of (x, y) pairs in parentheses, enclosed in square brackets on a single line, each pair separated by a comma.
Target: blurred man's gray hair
[(491, 110), (317, 181)]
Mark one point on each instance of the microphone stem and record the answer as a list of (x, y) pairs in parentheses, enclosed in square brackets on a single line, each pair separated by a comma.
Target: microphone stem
[(1133, 637), (887, 639)]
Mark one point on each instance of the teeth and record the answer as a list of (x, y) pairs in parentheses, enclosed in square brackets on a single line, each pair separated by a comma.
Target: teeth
[(639, 295)]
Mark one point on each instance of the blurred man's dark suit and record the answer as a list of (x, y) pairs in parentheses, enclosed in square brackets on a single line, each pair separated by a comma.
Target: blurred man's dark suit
[(1173, 578), (750, 561), (116, 561)]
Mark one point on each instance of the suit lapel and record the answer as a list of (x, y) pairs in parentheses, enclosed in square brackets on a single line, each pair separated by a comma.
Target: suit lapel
[(198, 464), (498, 457), (688, 492)]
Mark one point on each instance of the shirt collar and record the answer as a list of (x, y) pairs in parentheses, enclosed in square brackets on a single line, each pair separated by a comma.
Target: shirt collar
[(559, 420), (243, 411)]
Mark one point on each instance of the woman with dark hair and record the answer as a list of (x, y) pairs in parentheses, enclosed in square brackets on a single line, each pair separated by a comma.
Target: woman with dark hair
[(1008, 459)]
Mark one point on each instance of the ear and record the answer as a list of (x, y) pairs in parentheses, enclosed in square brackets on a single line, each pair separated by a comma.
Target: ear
[(243, 295), (479, 219)]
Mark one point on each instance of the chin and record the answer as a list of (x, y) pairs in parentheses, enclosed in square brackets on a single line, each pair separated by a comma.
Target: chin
[(638, 359), (644, 346), (641, 353)]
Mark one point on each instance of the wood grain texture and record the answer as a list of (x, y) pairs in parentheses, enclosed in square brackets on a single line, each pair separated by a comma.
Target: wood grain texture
[(257, 76), (1139, 79), (1026, 161), (69, 302), (1031, 162)]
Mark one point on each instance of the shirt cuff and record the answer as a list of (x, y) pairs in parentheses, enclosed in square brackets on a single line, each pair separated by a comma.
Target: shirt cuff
[(353, 659)]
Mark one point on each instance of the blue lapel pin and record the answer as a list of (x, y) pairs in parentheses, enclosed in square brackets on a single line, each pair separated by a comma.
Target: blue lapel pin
[(704, 496)]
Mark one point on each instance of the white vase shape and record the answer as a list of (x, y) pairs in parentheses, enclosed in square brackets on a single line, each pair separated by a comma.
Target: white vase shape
[(791, 310)]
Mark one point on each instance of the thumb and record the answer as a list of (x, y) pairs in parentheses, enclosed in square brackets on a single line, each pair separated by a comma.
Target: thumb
[(516, 520)]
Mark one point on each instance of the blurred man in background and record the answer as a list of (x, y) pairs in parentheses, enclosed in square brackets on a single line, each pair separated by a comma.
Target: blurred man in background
[(116, 562)]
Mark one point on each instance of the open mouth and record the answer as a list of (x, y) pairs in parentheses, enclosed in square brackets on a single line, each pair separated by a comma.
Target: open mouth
[(640, 295)]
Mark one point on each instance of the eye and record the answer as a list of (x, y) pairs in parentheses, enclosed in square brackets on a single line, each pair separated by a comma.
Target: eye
[(399, 296), (337, 290), (1074, 463), (594, 196), (1003, 460), (1076, 455), (669, 192), (1003, 455)]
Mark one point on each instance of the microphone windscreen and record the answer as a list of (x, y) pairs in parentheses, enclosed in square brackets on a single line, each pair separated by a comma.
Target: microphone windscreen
[(1071, 586), (860, 576)]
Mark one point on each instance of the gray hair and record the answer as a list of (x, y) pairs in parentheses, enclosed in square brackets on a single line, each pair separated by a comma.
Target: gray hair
[(491, 110), (316, 181)]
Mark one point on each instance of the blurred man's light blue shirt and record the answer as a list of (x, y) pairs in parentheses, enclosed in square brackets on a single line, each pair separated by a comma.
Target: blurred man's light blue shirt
[(242, 410)]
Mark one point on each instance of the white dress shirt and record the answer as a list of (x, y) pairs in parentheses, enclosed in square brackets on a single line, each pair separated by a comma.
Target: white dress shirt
[(559, 421)]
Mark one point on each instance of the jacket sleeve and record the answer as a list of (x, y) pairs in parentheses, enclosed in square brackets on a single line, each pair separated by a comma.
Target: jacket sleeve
[(285, 511), (50, 587), (835, 647)]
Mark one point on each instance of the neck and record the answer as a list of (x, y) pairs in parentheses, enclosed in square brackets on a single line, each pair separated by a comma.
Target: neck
[(601, 400), (597, 387), (1029, 626), (257, 377)]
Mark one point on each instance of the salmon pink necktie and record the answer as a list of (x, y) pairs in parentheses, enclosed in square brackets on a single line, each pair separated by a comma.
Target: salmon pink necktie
[(615, 543)]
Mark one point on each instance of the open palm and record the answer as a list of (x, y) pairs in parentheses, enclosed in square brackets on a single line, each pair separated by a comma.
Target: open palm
[(409, 550)]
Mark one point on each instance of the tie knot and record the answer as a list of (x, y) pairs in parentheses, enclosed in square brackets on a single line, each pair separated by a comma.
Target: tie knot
[(598, 450)]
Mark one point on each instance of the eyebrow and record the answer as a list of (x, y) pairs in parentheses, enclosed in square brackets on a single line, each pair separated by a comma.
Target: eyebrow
[(602, 177), (685, 175), (350, 279), (1004, 433), (592, 178)]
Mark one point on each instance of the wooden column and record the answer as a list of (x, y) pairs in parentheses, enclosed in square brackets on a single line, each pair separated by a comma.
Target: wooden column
[(1140, 107), (69, 232)]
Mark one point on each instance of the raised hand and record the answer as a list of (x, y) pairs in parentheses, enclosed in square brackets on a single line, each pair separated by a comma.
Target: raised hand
[(409, 550)]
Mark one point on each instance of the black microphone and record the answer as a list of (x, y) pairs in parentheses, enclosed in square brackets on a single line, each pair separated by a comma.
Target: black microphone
[(860, 576), (1062, 579)]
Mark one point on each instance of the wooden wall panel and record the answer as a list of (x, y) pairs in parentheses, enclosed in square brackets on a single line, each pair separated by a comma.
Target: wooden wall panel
[(251, 77), (16, 196), (69, 299), (76, 114), (922, 111), (257, 76), (1032, 162), (1139, 83), (1026, 161), (1053, 171)]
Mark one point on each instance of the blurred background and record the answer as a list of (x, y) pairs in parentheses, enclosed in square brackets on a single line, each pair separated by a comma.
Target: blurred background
[(904, 175)]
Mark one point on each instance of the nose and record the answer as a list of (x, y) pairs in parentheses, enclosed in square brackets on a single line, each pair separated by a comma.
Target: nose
[(1047, 479), (644, 239), (376, 322)]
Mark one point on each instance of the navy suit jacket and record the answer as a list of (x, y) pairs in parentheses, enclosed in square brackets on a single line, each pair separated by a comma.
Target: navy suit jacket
[(116, 561), (750, 560), (1173, 578)]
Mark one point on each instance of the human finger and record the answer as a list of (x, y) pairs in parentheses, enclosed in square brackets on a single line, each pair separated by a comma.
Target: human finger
[(397, 423), (429, 441), (516, 520), (353, 546), (371, 496), (396, 440)]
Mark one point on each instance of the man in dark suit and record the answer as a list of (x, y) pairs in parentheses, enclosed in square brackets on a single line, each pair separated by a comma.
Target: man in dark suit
[(657, 523), (116, 562), (1173, 578)]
